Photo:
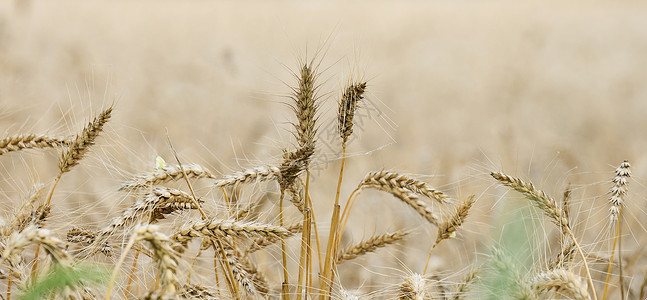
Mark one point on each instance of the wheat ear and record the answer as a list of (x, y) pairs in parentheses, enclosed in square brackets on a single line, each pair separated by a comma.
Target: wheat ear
[(618, 192), (263, 242), (448, 228), (82, 142), (166, 174), (194, 291), (370, 245), (560, 280), (348, 104), (30, 141), (550, 208), (464, 286), (221, 228), (414, 287)]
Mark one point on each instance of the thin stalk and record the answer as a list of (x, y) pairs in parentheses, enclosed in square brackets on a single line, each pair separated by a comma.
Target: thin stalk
[(131, 276), (188, 277), (34, 267), (326, 283), (586, 265), (347, 208), (117, 267), (424, 271), (613, 252), (329, 262), (9, 284), (308, 255), (283, 252), (622, 282), (302, 259), (215, 271)]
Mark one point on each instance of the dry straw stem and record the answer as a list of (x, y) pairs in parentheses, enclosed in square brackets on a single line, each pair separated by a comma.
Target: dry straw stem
[(221, 228), (349, 103), (370, 245), (167, 174), (30, 141), (413, 288), (82, 142), (550, 208), (263, 242), (253, 175), (562, 281)]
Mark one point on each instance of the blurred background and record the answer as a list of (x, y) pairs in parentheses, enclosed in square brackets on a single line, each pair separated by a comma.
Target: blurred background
[(550, 91)]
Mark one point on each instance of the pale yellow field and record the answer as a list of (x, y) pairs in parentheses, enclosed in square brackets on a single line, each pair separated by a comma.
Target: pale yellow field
[(548, 91)]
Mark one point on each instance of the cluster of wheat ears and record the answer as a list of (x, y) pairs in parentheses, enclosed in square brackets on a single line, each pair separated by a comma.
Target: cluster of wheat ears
[(65, 266)]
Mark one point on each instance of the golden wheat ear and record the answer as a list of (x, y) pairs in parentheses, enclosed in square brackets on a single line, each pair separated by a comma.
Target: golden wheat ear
[(80, 145), (30, 141), (370, 245), (348, 104)]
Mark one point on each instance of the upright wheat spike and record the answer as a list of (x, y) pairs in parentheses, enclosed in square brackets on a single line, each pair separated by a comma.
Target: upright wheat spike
[(348, 104), (618, 192), (561, 280), (370, 245), (82, 142), (448, 228), (550, 208), (30, 141), (165, 174)]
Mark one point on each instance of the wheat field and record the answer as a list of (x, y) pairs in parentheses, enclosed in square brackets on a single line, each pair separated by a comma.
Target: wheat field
[(214, 150)]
